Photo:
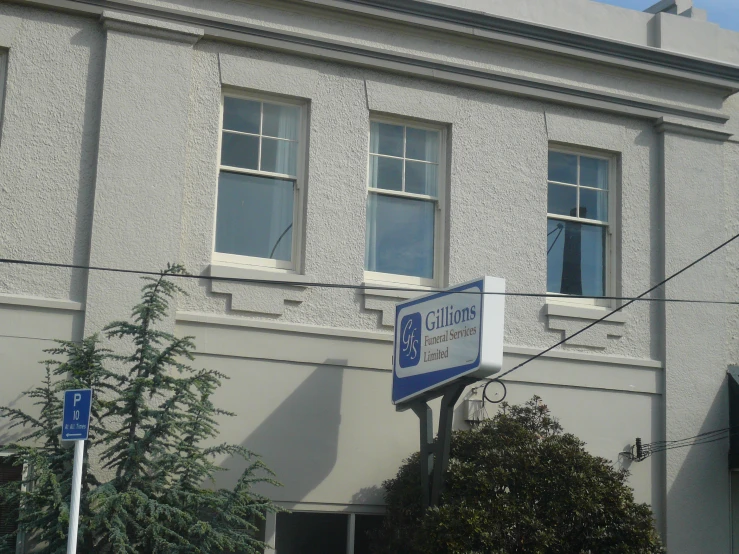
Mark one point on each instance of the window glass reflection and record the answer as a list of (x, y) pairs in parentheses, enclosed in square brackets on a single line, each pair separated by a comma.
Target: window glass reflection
[(386, 139), (254, 216), (576, 258), (563, 167), (400, 236)]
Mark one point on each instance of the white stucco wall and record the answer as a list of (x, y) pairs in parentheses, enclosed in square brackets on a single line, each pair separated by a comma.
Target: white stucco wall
[(49, 147), (109, 156)]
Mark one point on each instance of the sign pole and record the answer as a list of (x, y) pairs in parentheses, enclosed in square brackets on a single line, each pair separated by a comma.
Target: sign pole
[(443, 342), (76, 428), (435, 454), (74, 506)]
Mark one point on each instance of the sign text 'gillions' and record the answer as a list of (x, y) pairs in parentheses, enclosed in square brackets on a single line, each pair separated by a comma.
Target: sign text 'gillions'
[(446, 335)]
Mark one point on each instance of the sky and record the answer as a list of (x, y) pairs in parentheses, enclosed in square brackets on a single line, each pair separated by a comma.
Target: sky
[(723, 12)]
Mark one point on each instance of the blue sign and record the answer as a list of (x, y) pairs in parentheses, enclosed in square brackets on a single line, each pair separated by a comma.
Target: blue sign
[(76, 418), (447, 335)]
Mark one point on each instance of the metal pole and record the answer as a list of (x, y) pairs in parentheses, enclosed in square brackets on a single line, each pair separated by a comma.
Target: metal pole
[(426, 422), (74, 506), (444, 438)]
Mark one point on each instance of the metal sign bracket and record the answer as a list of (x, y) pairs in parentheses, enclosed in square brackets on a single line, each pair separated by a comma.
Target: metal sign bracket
[(435, 454)]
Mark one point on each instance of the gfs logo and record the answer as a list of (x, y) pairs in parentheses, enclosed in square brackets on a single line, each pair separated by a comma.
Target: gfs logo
[(410, 340)]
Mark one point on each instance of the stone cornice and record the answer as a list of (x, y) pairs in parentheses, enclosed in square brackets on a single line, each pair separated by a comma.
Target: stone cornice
[(666, 125), (132, 24), (542, 37), (294, 42)]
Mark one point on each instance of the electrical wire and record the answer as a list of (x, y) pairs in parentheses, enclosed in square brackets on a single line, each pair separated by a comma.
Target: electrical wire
[(697, 440), (391, 288), (609, 314), (707, 433), (655, 451), (650, 448), (647, 449)]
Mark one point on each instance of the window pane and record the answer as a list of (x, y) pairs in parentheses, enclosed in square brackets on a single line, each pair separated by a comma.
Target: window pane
[(254, 216), (563, 167), (386, 139), (365, 526), (593, 172), (279, 156), (386, 173), (562, 199), (400, 236), (593, 204), (281, 121), (311, 533), (576, 258), (241, 115), (420, 178), (421, 144), (240, 151)]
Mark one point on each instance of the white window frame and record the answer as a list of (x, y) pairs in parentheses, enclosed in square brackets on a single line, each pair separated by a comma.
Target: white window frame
[(235, 260), (437, 280), (609, 270)]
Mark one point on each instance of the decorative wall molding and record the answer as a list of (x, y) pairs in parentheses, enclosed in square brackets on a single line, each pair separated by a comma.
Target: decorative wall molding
[(665, 125), (249, 325), (568, 319), (383, 304), (597, 337), (542, 37), (224, 336), (259, 299), (384, 298), (723, 78), (148, 27), (582, 312), (38, 302)]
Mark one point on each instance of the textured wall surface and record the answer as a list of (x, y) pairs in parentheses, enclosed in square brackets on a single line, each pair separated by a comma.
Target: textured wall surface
[(316, 407), (695, 362), (430, 44), (141, 167), (109, 154), (496, 192), (49, 147)]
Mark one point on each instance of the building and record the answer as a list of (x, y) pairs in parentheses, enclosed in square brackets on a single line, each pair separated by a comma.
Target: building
[(400, 143)]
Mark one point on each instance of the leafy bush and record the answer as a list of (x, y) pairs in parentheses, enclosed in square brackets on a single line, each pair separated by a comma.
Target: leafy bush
[(518, 484), (147, 487)]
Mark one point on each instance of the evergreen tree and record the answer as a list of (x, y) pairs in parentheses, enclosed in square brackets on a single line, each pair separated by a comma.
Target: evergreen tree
[(147, 487), (518, 485)]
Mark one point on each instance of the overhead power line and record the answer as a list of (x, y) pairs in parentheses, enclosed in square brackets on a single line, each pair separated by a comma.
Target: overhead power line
[(318, 284), (640, 452), (605, 317)]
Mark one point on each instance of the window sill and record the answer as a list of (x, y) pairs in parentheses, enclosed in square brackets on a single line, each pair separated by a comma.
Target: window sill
[(561, 309), (260, 276), (394, 290)]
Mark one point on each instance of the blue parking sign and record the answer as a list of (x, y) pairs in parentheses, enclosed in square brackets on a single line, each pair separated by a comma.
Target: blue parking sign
[(76, 418)]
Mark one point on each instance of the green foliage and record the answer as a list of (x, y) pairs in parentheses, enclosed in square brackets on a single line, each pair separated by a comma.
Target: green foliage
[(147, 487), (518, 484)]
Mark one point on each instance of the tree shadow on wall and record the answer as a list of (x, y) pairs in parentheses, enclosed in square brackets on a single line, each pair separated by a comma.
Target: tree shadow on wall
[(299, 439)]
